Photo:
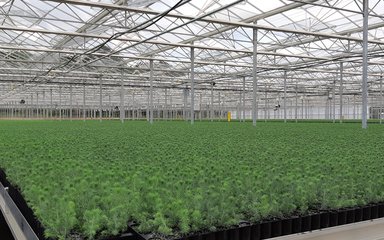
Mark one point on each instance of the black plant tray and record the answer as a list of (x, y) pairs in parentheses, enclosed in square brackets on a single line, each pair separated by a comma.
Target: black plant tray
[(296, 224), (262, 230)]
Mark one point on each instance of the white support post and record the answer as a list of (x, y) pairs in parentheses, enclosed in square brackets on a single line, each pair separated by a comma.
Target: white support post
[(285, 96), (381, 115), (70, 101), (51, 98), (192, 85), (37, 105), (44, 108), (220, 112), (165, 113), (151, 91), (341, 93), (265, 103), (211, 108), (296, 97), (84, 110), (60, 103), (147, 110), (364, 94), (101, 99), (122, 110), (254, 76), (200, 103), (354, 107), (334, 101), (109, 107), (243, 99)]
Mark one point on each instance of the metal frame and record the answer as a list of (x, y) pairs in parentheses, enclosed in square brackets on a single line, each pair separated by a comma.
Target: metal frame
[(306, 42)]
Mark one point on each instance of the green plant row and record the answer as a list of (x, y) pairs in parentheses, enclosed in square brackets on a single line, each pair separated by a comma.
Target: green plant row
[(172, 178)]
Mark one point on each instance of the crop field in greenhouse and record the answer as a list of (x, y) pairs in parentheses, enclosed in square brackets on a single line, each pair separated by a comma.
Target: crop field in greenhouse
[(173, 178)]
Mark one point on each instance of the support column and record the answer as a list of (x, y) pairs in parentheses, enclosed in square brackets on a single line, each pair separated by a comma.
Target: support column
[(354, 107), (165, 113), (122, 110), (192, 85), (220, 112), (254, 76), (200, 103), (37, 105), (84, 110), (364, 94), (211, 108), (381, 115), (185, 104), (70, 102), (60, 103), (334, 102), (265, 103), (101, 99), (109, 107), (285, 96), (243, 99), (51, 98), (296, 105), (147, 112), (341, 93), (151, 91), (302, 107), (44, 108)]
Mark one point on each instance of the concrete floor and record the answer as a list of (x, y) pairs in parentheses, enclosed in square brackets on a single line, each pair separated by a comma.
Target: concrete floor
[(367, 230)]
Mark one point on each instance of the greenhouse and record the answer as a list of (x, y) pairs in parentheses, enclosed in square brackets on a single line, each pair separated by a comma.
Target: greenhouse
[(191, 119)]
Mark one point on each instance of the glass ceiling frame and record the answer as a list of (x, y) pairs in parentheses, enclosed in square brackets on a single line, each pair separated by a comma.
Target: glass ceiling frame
[(306, 39)]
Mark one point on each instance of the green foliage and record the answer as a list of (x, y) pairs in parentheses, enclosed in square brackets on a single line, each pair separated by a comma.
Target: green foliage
[(93, 221), (172, 178)]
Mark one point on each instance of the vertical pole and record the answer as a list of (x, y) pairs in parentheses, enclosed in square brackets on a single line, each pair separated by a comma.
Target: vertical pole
[(254, 76), (147, 112), (381, 115), (101, 99), (60, 103), (185, 104), (51, 98), (109, 107), (151, 91), (122, 110), (171, 105), (296, 96), (239, 108), (365, 64), (37, 105), (132, 111), (354, 107), (211, 114), (166, 104), (84, 111), (341, 93), (265, 103), (70, 101), (200, 103), (334, 102), (192, 85), (44, 108), (243, 99), (32, 107), (285, 96), (220, 113)]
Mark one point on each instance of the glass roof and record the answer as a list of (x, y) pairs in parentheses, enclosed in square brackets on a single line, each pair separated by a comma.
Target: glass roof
[(45, 44)]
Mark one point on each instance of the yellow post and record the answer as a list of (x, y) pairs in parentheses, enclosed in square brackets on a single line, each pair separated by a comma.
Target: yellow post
[(229, 116)]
